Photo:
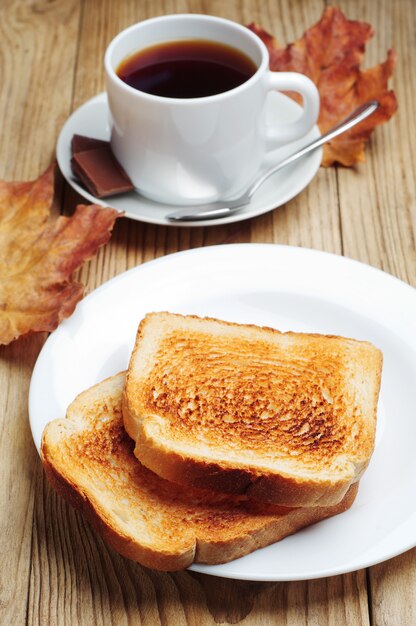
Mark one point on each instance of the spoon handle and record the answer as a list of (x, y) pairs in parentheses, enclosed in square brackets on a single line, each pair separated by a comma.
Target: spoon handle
[(225, 207), (357, 116)]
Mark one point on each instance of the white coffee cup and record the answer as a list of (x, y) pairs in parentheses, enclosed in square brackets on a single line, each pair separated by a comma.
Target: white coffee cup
[(187, 151)]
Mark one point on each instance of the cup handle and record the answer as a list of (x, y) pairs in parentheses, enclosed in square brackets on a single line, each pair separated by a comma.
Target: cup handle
[(291, 81)]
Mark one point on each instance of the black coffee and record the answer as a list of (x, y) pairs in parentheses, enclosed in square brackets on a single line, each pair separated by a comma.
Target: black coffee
[(186, 69)]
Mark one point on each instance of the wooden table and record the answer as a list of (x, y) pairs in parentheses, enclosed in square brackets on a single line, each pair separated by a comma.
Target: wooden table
[(54, 568)]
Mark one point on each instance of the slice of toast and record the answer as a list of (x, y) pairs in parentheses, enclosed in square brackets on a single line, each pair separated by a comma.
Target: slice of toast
[(88, 457), (287, 418)]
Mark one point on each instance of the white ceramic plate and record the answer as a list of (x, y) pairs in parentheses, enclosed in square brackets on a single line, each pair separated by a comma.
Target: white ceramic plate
[(92, 119), (286, 288)]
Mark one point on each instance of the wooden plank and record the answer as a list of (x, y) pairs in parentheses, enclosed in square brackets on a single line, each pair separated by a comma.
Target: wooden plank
[(393, 585), (379, 200), (67, 555), (311, 219), (38, 53), (111, 589), (38, 45), (75, 578), (379, 196), (18, 461)]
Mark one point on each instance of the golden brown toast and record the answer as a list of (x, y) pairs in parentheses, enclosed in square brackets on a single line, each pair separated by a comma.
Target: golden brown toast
[(287, 418), (88, 458)]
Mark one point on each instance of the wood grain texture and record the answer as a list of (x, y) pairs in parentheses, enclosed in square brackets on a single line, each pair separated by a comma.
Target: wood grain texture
[(311, 220), (383, 207), (38, 47), (58, 569), (383, 204), (393, 585), (39, 42)]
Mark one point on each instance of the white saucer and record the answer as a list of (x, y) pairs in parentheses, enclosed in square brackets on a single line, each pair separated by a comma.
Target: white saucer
[(92, 119)]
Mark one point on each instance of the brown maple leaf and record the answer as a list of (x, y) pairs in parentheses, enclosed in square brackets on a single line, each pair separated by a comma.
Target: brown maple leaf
[(39, 256), (330, 53)]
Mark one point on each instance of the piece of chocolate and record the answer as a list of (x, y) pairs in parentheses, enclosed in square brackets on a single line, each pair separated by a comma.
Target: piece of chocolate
[(100, 172), (80, 143)]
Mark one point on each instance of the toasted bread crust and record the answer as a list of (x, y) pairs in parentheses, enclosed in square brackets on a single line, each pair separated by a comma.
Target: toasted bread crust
[(287, 418), (88, 459), (202, 474), (104, 524)]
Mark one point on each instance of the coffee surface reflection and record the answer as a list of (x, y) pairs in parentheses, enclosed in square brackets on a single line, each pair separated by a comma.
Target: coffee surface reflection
[(186, 69)]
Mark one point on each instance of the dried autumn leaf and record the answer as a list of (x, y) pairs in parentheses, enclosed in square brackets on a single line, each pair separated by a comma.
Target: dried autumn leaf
[(38, 256), (330, 53)]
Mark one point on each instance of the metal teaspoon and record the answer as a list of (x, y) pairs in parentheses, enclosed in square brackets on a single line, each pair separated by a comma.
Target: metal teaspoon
[(223, 208)]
